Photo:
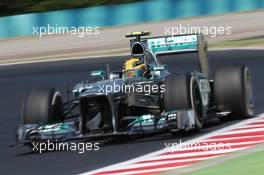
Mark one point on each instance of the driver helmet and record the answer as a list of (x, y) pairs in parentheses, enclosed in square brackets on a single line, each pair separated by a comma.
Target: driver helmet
[(134, 67)]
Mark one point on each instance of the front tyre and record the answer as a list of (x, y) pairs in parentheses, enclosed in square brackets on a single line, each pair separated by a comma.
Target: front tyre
[(42, 105), (182, 92)]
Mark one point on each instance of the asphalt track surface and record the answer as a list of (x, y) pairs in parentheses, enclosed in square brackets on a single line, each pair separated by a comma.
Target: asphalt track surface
[(17, 80)]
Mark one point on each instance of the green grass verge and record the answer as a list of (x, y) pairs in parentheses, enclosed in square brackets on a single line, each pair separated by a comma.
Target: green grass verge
[(244, 165), (239, 43)]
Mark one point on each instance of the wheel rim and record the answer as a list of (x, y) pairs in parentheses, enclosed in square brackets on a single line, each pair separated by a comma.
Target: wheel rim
[(248, 92), (56, 103), (198, 106), (196, 101)]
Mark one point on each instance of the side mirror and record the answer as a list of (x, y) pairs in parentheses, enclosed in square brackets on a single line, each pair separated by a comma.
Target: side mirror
[(115, 75), (99, 73), (159, 68)]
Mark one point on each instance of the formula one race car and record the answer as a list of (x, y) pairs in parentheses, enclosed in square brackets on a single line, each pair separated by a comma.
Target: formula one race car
[(143, 98)]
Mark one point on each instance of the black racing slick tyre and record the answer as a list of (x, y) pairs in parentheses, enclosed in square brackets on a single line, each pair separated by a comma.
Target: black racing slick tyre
[(42, 105), (182, 93), (233, 91), (177, 92)]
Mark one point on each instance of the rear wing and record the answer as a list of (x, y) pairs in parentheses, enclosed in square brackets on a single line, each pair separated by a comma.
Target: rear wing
[(166, 45)]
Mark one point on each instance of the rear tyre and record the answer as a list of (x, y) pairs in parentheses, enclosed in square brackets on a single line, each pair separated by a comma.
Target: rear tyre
[(233, 92), (182, 93), (42, 105)]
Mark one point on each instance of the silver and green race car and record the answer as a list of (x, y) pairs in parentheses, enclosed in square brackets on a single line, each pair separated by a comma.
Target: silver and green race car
[(153, 103)]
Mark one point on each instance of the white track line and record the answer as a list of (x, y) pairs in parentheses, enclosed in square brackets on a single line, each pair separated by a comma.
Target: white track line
[(147, 171), (242, 131), (173, 161), (138, 165), (251, 126), (236, 48), (201, 153), (230, 138), (160, 163)]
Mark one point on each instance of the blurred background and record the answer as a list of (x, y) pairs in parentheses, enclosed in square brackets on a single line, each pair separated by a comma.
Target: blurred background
[(15, 7), (20, 16), (114, 18)]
